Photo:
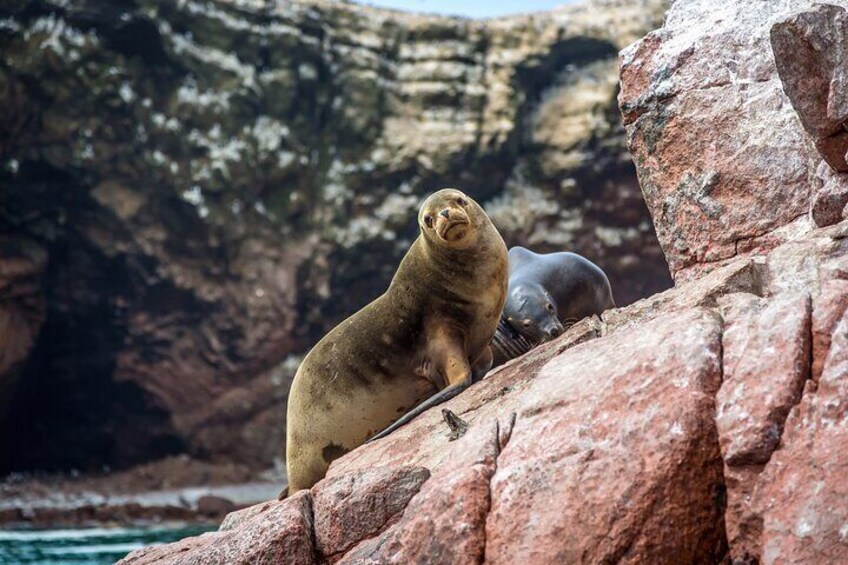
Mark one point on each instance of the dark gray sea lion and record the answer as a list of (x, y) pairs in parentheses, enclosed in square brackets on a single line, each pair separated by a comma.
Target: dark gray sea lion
[(429, 332), (553, 290), (507, 344)]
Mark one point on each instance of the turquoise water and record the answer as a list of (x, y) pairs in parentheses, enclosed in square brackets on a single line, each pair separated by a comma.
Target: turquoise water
[(93, 546)]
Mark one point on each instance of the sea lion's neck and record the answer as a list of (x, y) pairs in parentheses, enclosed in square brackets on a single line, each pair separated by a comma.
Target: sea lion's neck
[(441, 270)]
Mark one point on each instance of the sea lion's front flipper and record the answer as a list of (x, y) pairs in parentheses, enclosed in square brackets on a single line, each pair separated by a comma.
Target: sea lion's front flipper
[(451, 365), (482, 365), (434, 400)]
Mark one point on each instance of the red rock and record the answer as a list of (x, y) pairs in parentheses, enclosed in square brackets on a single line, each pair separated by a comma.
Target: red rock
[(804, 491), (828, 308), (353, 507), (720, 153), (809, 52), (599, 469), (279, 532), (743, 520), (766, 358), (766, 352), (238, 517), (830, 198), (802, 265), (444, 523), (833, 150)]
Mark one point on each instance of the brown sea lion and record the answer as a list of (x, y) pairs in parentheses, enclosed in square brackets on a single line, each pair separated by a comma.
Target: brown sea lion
[(549, 290), (428, 332)]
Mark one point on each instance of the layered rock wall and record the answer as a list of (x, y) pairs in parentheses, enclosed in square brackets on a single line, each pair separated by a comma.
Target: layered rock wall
[(216, 184)]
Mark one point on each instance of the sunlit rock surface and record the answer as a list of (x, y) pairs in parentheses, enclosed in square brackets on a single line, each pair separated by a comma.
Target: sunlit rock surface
[(218, 183)]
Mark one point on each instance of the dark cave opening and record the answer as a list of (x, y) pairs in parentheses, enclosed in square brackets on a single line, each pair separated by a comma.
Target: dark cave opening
[(67, 411)]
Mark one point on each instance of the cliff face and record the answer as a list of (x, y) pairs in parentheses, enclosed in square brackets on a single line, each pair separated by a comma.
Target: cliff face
[(704, 424), (213, 185)]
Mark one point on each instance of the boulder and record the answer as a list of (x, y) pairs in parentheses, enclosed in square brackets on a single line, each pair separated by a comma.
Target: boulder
[(830, 197), (766, 359), (766, 355), (829, 307), (356, 506), (723, 160), (811, 54), (444, 523), (279, 532), (583, 469)]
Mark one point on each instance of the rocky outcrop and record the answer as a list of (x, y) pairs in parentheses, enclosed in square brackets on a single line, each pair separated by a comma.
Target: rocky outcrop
[(802, 494), (810, 54), (809, 50), (723, 159), (218, 183), (704, 424), (830, 197), (279, 533), (685, 428)]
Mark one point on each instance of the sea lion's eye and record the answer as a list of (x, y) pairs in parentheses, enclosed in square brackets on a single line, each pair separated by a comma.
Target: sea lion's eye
[(527, 323), (428, 221), (550, 308), (461, 201)]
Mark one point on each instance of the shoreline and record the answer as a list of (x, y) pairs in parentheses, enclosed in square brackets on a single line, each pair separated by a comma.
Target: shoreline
[(175, 490)]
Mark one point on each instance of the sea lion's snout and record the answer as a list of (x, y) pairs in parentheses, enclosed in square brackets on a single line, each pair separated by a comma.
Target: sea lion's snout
[(532, 312), (450, 216), (452, 224)]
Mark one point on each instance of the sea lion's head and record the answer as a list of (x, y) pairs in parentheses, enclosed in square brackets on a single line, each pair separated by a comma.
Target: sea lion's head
[(451, 218), (531, 310)]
